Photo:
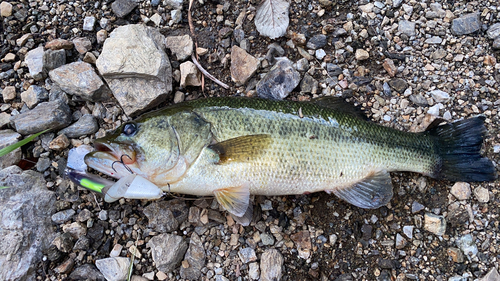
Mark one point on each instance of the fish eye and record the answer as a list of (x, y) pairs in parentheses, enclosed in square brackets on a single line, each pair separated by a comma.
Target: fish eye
[(129, 129)]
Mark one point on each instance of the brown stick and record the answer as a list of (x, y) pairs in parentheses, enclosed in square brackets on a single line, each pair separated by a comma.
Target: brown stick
[(191, 29)]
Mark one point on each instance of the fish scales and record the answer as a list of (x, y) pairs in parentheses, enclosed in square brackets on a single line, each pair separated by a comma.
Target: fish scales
[(308, 154), (234, 147)]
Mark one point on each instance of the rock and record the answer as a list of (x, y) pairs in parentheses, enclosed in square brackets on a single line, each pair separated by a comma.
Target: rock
[(63, 216), (467, 245), (361, 54), (176, 16), (181, 46), (76, 229), (53, 59), (320, 54), (89, 58), (398, 84), (309, 84), (407, 27), (461, 190), (434, 40), (156, 18), (43, 164), (247, 255), (419, 99), (26, 228), (279, 81), (195, 258), (88, 23), (493, 31), (8, 137), (83, 243), (491, 276), (4, 119), (80, 79), (455, 254), (253, 271), (390, 67), (179, 97), (65, 267), (5, 9), (138, 72), (367, 8), (64, 242), (86, 125), (466, 24), (161, 214), (271, 262), (302, 240), (408, 231), (400, 241), (243, 65), (436, 11), (34, 95), (9, 57), (58, 44), (496, 43), (123, 7), (34, 61), (114, 269), (440, 96), (482, 194), (9, 93), (86, 272), (51, 115), (438, 54), (167, 251), (316, 42), (24, 39), (82, 45), (267, 239), (190, 75), (101, 36), (174, 4), (435, 223)]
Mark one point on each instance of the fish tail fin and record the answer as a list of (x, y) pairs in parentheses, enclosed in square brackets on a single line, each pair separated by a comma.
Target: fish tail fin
[(458, 147)]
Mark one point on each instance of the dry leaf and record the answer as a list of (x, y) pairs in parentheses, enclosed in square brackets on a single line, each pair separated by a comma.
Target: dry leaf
[(271, 18)]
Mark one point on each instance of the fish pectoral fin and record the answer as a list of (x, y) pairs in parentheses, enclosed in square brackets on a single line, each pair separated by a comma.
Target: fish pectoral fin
[(234, 199), (247, 216), (374, 191), (339, 104), (242, 148)]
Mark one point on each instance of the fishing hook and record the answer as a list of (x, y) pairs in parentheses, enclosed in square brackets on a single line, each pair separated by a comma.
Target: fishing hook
[(123, 163)]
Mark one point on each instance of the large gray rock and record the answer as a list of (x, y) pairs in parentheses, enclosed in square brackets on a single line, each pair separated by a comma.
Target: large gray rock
[(195, 258), (51, 115), (8, 137), (407, 27), (494, 31), (80, 79), (167, 251), (279, 81), (123, 7), (134, 64), (166, 216), (34, 95), (26, 229), (87, 124), (34, 61), (53, 59), (466, 24)]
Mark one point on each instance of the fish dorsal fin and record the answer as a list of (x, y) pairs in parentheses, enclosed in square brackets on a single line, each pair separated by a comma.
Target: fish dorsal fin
[(234, 199), (247, 217), (339, 104), (372, 192), (242, 148)]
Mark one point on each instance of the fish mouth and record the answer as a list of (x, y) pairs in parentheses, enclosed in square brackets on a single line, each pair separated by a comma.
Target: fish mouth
[(112, 159)]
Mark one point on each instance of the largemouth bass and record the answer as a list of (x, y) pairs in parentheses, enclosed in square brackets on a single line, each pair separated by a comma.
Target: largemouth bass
[(234, 147)]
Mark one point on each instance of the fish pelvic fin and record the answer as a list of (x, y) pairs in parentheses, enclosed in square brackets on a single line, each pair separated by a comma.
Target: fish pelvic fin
[(241, 149), (458, 146), (234, 199), (246, 218), (372, 192)]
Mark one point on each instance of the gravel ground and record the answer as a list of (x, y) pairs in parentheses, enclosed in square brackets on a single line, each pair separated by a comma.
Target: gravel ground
[(404, 62)]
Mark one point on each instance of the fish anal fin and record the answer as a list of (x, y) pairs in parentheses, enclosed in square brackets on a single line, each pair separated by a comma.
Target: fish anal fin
[(242, 148), (339, 104), (372, 192), (234, 199), (247, 216)]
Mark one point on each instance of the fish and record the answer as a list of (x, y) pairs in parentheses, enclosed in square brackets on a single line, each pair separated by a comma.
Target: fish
[(235, 147)]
